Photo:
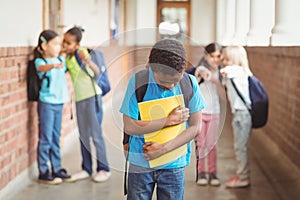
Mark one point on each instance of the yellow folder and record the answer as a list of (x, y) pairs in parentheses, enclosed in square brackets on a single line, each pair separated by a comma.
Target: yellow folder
[(157, 109)]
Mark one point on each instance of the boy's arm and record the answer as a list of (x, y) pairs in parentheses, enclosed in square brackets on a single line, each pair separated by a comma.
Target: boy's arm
[(134, 127), (154, 150)]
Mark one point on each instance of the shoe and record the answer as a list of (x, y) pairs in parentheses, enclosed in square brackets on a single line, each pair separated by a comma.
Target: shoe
[(81, 175), (235, 182), (213, 179), (202, 180), (47, 178), (102, 176), (62, 173)]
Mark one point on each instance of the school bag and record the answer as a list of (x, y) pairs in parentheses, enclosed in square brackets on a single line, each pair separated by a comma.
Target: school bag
[(259, 101), (101, 79), (34, 82), (141, 85)]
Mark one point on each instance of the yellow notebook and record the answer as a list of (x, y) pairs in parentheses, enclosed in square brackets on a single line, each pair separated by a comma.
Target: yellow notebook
[(157, 109)]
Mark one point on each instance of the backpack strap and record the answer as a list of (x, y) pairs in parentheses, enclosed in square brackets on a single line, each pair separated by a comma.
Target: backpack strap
[(239, 94), (186, 88), (45, 74), (141, 84), (79, 61)]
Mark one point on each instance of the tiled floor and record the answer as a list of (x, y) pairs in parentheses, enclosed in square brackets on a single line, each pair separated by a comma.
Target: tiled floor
[(273, 177)]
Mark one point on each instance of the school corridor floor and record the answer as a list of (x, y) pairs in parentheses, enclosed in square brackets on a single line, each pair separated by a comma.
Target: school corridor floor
[(273, 176)]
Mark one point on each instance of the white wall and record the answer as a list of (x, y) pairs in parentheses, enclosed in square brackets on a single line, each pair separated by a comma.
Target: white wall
[(20, 22), (93, 15), (146, 22), (203, 21)]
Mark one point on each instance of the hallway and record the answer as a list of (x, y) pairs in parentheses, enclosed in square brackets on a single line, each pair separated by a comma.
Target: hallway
[(273, 177)]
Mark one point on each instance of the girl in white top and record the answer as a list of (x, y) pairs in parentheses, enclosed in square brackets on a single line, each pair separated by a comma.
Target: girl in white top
[(237, 70), (212, 89)]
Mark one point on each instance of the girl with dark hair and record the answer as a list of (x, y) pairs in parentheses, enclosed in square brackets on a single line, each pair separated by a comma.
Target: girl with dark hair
[(89, 114), (208, 75), (53, 94)]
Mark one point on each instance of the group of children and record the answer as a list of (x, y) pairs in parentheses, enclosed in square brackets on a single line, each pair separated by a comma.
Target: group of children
[(215, 72), (166, 65), (54, 93)]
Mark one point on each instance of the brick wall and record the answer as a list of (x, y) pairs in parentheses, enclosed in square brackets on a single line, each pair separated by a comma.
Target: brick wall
[(18, 117), (279, 70)]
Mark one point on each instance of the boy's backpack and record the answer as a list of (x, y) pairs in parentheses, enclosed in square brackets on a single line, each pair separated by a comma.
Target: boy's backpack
[(259, 102), (141, 85), (34, 82), (102, 78)]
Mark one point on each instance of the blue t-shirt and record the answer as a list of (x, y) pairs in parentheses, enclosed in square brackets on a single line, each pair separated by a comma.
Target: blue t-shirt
[(130, 108), (57, 92)]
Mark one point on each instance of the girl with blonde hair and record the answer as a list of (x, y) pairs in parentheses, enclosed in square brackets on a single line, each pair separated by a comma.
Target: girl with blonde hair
[(235, 72)]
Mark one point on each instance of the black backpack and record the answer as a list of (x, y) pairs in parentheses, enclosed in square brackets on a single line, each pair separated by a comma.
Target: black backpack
[(259, 102), (34, 82), (141, 85)]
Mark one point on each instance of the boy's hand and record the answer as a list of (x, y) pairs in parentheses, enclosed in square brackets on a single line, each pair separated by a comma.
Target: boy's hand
[(178, 115), (153, 150)]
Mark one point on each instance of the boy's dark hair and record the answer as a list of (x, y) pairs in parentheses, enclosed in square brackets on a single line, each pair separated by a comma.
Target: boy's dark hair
[(44, 37), (167, 56), (77, 32)]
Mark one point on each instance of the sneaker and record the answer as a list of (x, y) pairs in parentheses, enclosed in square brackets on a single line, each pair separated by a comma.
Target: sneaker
[(202, 180), (102, 176), (213, 179), (47, 178), (235, 182), (81, 175), (62, 173)]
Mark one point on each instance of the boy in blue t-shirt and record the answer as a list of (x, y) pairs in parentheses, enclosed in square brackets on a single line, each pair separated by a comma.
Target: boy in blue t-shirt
[(167, 63)]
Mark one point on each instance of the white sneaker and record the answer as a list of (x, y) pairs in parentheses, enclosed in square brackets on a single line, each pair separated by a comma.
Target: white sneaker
[(202, 180), (80, 175), (102, 176)]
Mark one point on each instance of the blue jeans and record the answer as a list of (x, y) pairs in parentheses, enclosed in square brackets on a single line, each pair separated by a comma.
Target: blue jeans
[(169, 183), (241, 124), (89, 120), (50, 118)]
